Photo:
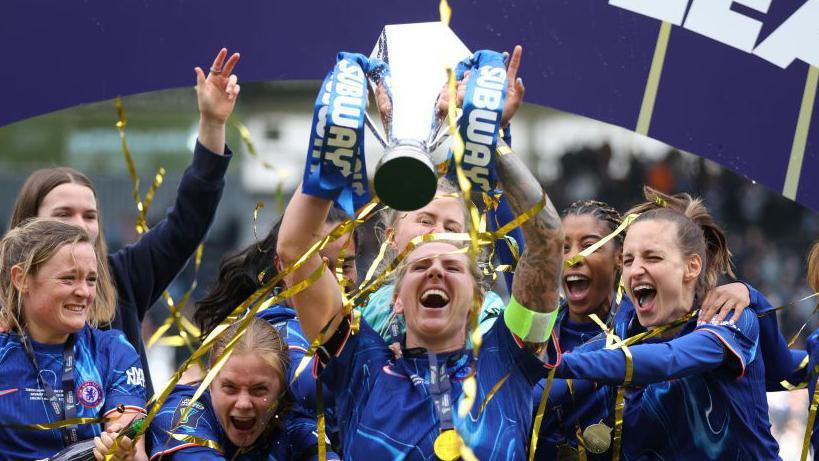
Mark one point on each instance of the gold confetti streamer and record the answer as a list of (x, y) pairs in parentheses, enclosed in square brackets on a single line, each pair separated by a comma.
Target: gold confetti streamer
[(541, 409)]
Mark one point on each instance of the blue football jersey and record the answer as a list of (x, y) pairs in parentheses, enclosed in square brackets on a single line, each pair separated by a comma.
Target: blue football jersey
[(303, 388), (573, 405), (385, 409), (812, 376), (198, 435), (713, 415), (107, 373)]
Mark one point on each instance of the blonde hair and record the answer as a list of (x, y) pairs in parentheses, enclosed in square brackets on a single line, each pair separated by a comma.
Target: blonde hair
[(260, 338), (30, 246)]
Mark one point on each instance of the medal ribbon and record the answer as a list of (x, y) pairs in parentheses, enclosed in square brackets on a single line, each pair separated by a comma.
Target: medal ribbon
[(68, 410), (481, 119), (335, 167)]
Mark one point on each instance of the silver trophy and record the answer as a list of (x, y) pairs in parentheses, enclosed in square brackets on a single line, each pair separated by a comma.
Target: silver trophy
[(418, 56)]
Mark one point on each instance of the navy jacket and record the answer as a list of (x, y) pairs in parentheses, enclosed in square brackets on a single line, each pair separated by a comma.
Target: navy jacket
[(144, 269)]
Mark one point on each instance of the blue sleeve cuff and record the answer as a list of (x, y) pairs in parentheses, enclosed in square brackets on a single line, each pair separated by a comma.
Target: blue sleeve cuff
[(759, 303), (208, 165)]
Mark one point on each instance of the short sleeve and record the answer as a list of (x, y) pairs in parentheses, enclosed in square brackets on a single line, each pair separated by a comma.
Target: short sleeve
[(125, 378), (195, 434), (739, 339)]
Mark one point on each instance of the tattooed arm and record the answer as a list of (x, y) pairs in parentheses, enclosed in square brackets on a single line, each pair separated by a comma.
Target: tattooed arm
[(537, 276)]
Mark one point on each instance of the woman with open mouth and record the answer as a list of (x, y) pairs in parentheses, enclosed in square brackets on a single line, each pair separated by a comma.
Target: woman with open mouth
[(407, 406), (590, 287), (244, 272), (695, 390), (242, 415), (57, 366)]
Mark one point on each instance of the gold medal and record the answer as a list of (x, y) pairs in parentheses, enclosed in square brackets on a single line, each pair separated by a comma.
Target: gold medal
[(448, 445), (597, 438)]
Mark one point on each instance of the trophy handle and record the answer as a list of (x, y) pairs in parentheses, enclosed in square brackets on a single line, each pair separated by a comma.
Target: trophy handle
[(441, 135), (374, 130)]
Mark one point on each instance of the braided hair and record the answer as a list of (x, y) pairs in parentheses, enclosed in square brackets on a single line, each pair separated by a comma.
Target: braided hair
[(600, 210)]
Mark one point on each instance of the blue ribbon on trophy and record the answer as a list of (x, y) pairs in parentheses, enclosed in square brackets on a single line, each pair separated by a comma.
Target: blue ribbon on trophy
[(336, 169), (481, 118)]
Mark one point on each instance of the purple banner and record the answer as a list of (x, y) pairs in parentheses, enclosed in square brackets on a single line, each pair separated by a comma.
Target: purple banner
[(731, 81)]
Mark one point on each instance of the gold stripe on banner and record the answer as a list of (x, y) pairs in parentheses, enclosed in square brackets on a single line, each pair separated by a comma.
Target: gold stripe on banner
[(800, 137), (650, 94)]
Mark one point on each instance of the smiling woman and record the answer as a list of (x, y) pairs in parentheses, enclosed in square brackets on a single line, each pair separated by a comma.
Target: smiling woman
[(140, 272), (48, 283)]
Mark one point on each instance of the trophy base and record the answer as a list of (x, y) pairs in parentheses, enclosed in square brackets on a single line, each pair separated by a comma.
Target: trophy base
[(405, 178)]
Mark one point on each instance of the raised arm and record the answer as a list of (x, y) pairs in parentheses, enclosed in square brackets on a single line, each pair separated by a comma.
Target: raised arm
[(537, 276), (216, 96), (301, 228)]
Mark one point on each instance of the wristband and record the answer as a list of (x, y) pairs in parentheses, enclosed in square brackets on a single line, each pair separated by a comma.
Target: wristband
[(528, 325)]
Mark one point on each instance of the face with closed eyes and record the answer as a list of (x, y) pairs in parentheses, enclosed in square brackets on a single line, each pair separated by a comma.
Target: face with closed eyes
[(435, 295), (73, 204), (659, 278), (442, 214), (243, 394)]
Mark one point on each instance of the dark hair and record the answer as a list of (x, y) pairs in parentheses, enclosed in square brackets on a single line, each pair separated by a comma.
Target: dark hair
[(242, 273), (697, 232), (601, 211), (336, 215), (28, 202)]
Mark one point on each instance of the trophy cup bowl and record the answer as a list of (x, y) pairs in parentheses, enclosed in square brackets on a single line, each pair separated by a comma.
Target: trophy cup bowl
[(405, 177), (417, 55)]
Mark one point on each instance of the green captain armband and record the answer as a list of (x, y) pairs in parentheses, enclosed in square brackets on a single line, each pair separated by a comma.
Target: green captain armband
[(528, 325)]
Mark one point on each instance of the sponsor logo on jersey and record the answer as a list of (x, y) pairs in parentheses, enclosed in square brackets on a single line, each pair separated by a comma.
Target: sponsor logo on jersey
[(136, 377), (89, 394), (189, 419)]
